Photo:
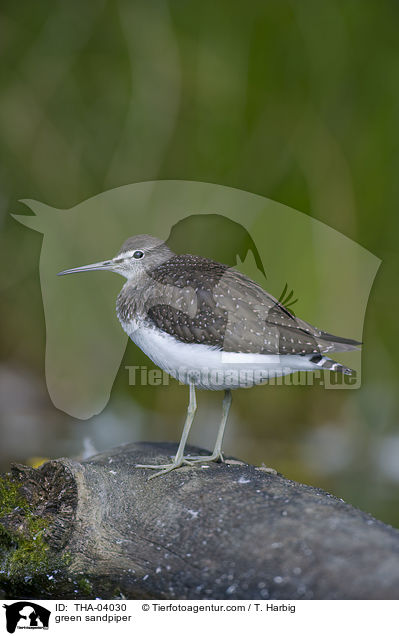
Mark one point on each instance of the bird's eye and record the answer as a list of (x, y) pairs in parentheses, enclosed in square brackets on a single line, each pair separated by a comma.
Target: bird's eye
[(138, 254)]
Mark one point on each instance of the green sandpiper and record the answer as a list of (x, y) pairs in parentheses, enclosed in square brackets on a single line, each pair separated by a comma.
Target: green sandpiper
[(211, 327)]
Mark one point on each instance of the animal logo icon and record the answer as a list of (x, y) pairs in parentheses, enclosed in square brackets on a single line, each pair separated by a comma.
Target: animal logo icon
[(298, 255), (26, 615)]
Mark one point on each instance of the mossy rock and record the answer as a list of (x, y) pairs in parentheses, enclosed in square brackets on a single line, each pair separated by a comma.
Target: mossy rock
[(28, 560)]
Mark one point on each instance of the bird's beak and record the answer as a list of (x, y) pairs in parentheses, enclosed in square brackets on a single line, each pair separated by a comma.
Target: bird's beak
[(88, 268)]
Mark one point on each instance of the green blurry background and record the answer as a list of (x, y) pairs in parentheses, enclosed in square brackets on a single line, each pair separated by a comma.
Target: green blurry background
[(296, 101)]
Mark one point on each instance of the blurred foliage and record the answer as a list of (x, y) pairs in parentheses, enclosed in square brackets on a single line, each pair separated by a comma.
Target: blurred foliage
[(296, 101)]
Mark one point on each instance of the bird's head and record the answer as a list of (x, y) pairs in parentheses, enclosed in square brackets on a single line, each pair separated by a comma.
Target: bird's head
[(137, 254)]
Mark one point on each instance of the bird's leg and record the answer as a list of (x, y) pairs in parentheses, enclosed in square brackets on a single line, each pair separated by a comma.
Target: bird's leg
[(179, 459), (217, 451)]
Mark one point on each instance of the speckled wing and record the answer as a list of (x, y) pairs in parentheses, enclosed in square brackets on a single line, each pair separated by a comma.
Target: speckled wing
[(198, 300)]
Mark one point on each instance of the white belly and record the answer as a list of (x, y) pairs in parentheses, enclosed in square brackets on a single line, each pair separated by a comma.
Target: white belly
[(210, 368)]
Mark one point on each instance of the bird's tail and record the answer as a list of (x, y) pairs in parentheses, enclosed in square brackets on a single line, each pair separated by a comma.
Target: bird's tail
[(336, 343)]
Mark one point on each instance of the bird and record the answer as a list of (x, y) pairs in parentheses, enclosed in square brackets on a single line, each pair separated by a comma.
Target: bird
[(211, 327)]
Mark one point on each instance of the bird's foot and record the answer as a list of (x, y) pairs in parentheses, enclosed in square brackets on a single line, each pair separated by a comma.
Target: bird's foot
[(197, 459), (187, 460), (164, 468), (234, 462)]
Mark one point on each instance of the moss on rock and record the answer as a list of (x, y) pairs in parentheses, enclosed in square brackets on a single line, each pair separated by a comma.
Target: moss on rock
[(23, 549)]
